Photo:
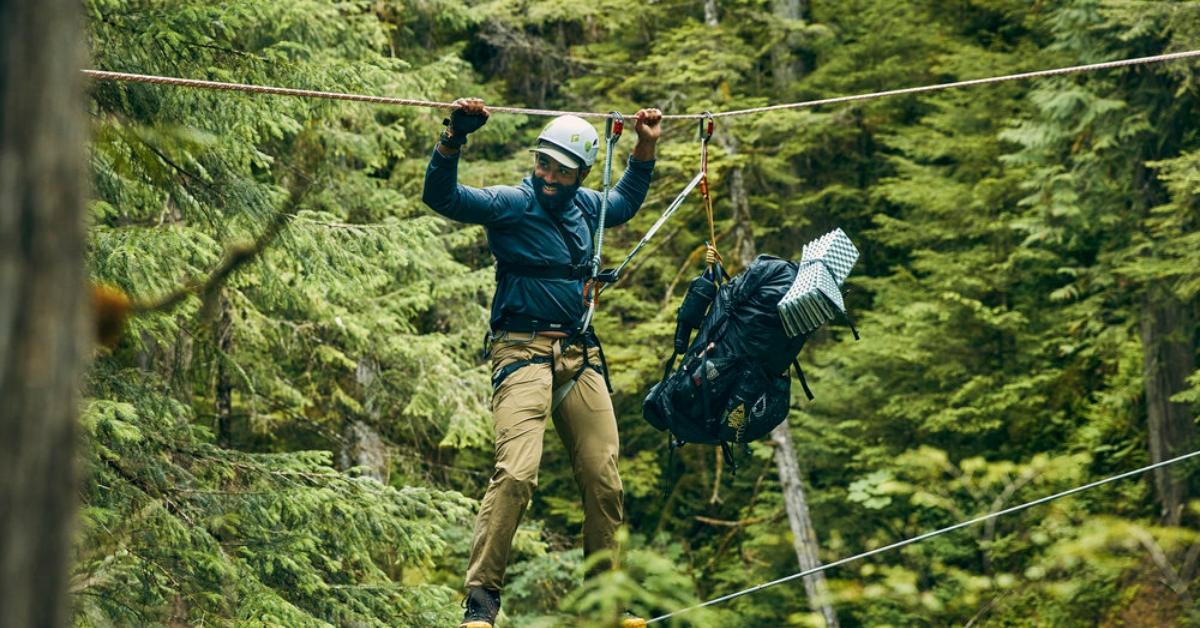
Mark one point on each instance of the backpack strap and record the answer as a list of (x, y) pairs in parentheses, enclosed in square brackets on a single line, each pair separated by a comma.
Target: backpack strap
[(850, 322), (672, 444), (803, 381)]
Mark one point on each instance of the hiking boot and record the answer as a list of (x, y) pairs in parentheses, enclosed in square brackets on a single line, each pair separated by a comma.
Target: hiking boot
[(482, 607)]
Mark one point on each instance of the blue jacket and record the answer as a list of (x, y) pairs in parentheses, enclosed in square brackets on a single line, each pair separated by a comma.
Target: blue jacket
[(520, 232)]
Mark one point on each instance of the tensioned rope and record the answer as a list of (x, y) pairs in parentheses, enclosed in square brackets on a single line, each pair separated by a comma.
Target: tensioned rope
[(412, 102), (929, 535)]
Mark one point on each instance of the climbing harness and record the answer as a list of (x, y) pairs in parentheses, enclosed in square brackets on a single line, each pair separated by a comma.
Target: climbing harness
[(929, 535)]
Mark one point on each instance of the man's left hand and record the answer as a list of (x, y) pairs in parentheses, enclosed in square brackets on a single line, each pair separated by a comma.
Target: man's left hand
[(647, 125), (648, 131)]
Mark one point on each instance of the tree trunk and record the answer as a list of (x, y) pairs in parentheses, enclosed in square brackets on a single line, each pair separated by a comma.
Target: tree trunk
[(804, 538), (784, 66), (743, 228), (362, 447), (44, 309), (710, 13), (224, 392), (1168, 351)]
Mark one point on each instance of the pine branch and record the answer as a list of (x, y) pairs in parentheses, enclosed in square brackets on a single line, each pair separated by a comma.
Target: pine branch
[(175, 166), (236, 256)]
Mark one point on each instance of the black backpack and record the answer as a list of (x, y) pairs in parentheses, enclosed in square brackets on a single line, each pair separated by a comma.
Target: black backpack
[(732, 384)]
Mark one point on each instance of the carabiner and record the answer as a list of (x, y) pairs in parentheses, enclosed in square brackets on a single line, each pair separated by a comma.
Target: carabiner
[(706, 133), (614, 126), (706, 126)]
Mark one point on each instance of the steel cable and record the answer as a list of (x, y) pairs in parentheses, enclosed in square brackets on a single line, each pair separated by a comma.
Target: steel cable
[(929, 535)]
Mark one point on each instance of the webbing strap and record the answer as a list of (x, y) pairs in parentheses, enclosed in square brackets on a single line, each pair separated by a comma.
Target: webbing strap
[(543, 271), (508, 369), (712, 257), (803, 380)]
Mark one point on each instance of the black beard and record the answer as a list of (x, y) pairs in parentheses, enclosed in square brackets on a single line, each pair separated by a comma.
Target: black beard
[(558, 202)]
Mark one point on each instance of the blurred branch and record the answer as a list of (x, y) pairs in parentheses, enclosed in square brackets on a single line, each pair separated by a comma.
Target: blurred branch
[(741, 523), (236, 256)]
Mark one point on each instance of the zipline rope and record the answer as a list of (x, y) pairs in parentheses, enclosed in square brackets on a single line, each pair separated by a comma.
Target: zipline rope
[(412, 102), (929, 535), (104, 75), (1174, 56)]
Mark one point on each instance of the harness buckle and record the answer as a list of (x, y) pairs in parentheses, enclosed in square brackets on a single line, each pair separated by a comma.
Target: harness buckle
[(606, 276)]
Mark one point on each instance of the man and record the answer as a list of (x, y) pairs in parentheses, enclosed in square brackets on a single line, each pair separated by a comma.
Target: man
[(541, 233)]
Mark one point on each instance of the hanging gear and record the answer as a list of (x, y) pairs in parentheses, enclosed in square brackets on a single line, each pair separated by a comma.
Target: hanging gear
[(815, 298), (701, 179), (711, 256), (732, 384), (571, 141)]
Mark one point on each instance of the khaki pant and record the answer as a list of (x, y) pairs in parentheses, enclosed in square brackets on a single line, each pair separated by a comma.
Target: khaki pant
[(588, 428)]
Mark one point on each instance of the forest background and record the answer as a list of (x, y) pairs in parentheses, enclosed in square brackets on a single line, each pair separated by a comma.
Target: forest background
[(306, 446)]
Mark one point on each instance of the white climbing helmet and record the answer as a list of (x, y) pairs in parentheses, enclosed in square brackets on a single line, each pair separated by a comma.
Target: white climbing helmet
[(569, 140)]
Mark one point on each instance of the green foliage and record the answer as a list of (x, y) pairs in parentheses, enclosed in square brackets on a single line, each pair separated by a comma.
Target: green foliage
[(1010, 236), (180, 530)]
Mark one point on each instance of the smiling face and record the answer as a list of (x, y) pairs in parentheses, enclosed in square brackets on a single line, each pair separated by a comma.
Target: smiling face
[(555, 176)]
